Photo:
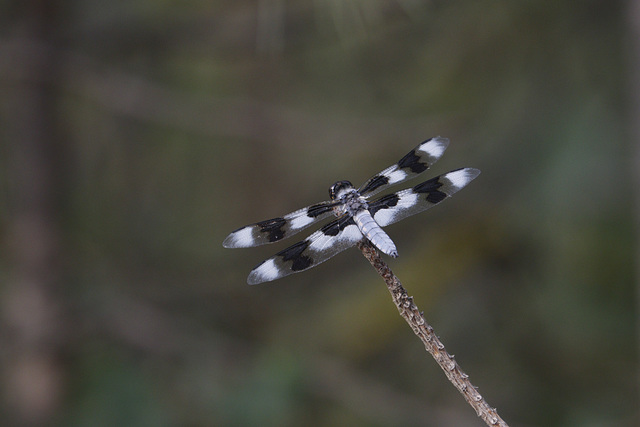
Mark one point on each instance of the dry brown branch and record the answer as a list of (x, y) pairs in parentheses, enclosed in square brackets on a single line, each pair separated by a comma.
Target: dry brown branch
[(410, 312)]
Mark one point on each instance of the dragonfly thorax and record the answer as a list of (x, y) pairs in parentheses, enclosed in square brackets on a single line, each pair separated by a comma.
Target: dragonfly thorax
[(339, 189), (350, 200)]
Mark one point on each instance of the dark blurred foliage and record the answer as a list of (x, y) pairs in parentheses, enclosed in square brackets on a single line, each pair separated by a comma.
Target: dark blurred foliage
[(137, 134)]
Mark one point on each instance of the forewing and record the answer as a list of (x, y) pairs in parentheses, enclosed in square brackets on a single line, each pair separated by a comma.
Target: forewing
[(276, 229), (330, 240), (414, 163), (394, 207)]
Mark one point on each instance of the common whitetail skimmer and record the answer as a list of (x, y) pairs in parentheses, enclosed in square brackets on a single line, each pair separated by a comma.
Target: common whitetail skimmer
[(357, 218)]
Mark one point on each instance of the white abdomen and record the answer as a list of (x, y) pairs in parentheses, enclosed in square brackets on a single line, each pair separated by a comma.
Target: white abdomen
[(372, 231)]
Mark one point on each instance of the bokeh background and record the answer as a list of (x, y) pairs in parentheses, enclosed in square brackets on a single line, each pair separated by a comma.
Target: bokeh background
[(137, 134)]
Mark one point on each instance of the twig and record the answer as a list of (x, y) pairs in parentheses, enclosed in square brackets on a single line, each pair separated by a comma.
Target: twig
[(410, 312)]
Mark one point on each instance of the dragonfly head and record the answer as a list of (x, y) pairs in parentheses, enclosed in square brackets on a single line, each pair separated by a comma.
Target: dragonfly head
[(338, 189)]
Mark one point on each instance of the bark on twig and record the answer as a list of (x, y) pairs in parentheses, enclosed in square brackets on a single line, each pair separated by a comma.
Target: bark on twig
[(410, 312)]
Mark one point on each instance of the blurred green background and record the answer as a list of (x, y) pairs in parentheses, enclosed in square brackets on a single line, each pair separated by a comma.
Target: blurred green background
[(137, 134)]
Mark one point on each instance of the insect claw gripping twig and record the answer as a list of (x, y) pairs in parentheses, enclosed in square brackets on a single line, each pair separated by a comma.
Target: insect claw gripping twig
[(414, 317)]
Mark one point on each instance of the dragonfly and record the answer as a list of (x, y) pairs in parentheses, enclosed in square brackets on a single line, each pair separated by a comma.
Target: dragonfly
[(356, 217)]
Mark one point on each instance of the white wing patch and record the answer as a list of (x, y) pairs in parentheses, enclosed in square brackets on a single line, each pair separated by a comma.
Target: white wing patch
[(242, 238), (352, 234), (385, 217), (301, 221), (321, 241), (435, 147), (461, 177), (265, 272), (396, 176), (300, 257)]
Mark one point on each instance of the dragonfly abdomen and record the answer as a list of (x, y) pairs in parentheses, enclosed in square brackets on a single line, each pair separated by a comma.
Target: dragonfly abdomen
[(372, 231)]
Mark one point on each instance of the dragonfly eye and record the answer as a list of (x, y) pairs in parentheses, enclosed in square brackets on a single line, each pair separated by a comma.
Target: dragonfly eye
[(334, 191)]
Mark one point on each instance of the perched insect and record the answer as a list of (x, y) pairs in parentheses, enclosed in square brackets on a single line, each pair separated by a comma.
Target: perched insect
[(357, 217)]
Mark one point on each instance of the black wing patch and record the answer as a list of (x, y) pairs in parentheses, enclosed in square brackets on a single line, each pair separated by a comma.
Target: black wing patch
[(276, 229), (330, 240), (295, 254), (394, 207), (414, 163), (272, 229)]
